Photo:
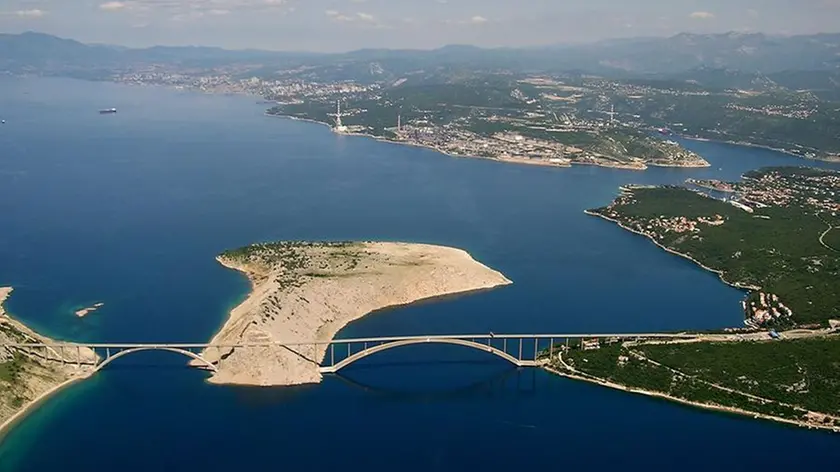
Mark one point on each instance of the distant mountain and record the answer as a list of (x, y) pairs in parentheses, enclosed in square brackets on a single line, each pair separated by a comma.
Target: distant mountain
[(46, 54), (37, 49), (734, 51), (744, 53)]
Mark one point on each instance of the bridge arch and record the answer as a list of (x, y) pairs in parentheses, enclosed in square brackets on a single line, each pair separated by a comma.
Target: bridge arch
[(408, 342), (135, 350)]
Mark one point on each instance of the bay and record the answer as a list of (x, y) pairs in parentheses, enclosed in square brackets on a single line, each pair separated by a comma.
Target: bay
[(131, 209)]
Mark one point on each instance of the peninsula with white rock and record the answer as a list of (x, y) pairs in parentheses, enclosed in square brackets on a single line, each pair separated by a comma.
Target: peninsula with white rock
[(27, 376), (307, 291)]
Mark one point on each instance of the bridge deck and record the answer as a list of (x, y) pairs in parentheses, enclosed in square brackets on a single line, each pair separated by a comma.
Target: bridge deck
[(361, 340)]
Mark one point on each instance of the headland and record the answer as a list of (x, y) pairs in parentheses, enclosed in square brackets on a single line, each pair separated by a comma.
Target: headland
[(28, 376), (767, 239), (307, 291)]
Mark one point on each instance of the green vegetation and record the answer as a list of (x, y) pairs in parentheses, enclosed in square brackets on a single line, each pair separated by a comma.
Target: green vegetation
[(797, 122), (455, 108), (776, 247), (803, 372), (290, 253), (11, 369), (789, 377), (289, 262)]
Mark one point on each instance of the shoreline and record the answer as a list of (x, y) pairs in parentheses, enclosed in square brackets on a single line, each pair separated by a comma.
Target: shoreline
[(759, 146), (511, 160), (705, 406), (667, 249), (419, 146), (59, 366), (25, 410)]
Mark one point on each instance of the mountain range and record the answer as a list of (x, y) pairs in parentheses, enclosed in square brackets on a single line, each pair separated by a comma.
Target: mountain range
[(749, 53)]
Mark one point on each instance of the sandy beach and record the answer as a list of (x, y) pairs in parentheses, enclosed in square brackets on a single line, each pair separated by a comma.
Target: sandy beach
[(41, 373), (307, 292)]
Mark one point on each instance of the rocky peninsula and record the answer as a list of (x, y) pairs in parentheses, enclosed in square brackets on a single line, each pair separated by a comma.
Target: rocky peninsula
[(306, 292), (27, 376)]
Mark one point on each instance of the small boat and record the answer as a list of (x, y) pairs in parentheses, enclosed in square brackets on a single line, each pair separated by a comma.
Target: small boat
[(107, 111)]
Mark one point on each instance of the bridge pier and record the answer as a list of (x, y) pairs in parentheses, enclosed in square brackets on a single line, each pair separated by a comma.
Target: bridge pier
[(520, 350)]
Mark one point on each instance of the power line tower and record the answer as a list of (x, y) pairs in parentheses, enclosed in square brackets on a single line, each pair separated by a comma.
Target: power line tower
[(339, 125), (612, 114), (338, 114)]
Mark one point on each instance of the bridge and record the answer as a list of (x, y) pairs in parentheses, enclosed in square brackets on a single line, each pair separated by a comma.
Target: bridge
[(520, 350)]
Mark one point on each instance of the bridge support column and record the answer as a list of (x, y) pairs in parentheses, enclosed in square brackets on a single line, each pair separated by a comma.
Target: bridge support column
[(551, 348), (504, 345), (536, 347), (520, 349), (332, 354), (107, 353)]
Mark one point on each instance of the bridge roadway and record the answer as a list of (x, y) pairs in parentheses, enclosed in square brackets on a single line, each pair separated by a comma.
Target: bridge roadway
[(496, 344)]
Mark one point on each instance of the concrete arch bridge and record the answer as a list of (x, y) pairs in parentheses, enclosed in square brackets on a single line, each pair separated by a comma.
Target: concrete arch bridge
[(521, 350)]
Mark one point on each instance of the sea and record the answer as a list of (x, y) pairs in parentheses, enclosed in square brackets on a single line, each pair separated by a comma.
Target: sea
[(130, 209)]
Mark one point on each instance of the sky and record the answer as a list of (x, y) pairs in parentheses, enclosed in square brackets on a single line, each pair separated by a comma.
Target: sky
[(340, 25)]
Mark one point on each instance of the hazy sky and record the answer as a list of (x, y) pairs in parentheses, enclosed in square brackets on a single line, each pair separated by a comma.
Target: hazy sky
[(335, 25)]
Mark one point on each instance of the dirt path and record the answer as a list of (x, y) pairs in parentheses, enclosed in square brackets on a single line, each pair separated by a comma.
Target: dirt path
[(825, 233)]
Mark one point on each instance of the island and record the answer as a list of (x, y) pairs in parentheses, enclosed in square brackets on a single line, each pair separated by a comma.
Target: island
[(86, 311), (29, 375), (305, 292), (773, 237)]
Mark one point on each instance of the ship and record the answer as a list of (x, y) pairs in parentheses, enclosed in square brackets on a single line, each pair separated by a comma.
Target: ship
[(107, 111)]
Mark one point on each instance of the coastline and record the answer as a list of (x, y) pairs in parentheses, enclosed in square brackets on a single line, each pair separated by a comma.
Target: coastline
[(511, 160), (667, 249), (706, 406), (60, 367), (305, 293), (673, 166), (29, 407), (758, 146)]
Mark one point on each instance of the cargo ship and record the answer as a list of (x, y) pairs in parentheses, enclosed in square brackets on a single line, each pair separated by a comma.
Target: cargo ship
[(107, 111)]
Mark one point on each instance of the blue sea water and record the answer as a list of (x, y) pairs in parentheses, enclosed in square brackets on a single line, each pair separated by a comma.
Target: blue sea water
[(130, 210)]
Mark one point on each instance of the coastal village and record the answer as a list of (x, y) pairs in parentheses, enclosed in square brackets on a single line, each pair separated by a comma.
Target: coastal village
[(811, 195), (763, 309)]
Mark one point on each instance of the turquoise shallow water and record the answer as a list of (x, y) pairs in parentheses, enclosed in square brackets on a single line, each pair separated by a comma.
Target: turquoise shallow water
[(131, 209)]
